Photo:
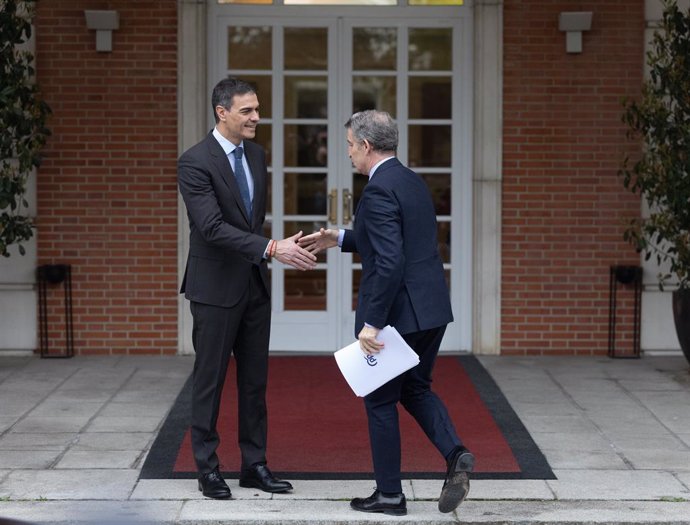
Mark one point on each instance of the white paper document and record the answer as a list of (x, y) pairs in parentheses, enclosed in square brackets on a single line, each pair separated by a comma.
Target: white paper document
[(366, 373)]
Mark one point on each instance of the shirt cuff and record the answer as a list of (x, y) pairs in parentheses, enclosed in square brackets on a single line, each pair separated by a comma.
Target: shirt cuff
[(341, 235)]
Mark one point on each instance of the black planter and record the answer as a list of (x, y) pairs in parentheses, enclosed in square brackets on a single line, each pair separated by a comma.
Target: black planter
[(681, 316)]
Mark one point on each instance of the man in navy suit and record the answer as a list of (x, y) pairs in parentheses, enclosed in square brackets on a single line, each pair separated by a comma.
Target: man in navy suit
[(403, 285), (223, 181)]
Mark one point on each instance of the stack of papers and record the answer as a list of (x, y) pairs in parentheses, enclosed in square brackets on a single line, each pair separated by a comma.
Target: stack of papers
[(365, 373)]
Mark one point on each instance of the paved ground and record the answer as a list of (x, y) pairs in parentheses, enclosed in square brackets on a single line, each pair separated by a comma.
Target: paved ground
[(75, 432)]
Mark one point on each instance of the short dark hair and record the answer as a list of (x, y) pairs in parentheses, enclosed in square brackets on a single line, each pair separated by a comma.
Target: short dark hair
[(225, 90)]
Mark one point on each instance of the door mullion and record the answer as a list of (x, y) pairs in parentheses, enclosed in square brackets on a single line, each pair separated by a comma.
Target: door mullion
[(402, 105), (345, 319), (277, 139)]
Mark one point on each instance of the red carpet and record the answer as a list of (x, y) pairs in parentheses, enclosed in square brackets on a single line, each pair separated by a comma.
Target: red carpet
[(317, 427)]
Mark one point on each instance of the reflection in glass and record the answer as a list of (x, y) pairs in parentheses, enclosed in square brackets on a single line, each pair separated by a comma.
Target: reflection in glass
[(444, 240), (263, 138), (430, 97), (305, 145), (430, 49), (371, 92), (262, 85), (439, 187), (429, 146), (374, 48), (306, 48), (249, 47), (306, 97), (305, 290), (305, 194)]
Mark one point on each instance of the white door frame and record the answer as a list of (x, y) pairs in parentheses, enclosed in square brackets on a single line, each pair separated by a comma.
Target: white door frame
[(479, 332)]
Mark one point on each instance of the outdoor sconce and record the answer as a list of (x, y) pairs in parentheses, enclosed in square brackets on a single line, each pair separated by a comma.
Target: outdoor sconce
[(574, 23), (103, 22)]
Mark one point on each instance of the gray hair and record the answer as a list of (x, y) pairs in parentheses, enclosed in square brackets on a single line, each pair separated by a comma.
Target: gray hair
[(377, 127)]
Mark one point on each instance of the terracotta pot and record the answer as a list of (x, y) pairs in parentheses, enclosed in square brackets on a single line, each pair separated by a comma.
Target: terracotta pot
[(681, 316)]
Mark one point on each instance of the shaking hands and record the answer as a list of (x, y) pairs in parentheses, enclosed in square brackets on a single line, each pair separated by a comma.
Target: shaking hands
[(319, 241), (289, 252), (300, 251)]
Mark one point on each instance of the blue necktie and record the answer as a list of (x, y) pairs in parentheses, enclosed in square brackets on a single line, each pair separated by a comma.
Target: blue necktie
[(241, 177)]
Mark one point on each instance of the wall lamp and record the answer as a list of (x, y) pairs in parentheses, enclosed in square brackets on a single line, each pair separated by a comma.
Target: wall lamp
[(574, 23), (103, 22)]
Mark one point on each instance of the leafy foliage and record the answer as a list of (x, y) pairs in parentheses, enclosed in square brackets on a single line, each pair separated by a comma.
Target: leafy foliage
[(661, 119), (23, 118)]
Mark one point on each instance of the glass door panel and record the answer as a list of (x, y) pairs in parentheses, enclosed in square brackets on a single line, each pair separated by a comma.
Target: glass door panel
[(311, 74), (409, 70), (374, 48), (306, 48), (305, 181), (369, 92), (250, 47)]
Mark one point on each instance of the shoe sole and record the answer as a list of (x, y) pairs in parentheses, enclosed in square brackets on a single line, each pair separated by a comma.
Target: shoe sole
[(457, 484), (250, 485), (389, 512)]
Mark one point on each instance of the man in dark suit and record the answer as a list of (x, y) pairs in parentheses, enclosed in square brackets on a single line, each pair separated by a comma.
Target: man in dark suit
[(223, 181), (403, 285)]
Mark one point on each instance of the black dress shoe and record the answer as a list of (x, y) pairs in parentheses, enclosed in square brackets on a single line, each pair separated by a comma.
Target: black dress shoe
[(259, 477), (394, 505), (212, 485), (457, 483)]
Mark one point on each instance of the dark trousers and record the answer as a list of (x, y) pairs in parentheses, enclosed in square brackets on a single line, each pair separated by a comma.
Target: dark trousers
[(217, 332), (413, 390)]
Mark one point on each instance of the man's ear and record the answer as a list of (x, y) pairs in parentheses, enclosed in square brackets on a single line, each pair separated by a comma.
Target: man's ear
[(367, 145), (220, 112)]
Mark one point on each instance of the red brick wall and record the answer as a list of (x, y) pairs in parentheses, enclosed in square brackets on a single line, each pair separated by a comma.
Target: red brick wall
[(563, 205), (107, 200), (107, 196)]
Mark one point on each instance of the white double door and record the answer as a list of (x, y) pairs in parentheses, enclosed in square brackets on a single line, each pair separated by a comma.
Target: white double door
[(311, 74)]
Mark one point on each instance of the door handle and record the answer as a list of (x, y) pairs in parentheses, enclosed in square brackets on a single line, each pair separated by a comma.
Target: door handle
[(333, 206), (347, 206)]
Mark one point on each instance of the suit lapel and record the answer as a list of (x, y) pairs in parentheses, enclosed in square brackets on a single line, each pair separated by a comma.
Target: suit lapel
[(224, 170)]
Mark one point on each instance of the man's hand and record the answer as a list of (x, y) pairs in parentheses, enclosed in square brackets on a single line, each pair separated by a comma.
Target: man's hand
[(319, 241), (368, 342), (290, 253)]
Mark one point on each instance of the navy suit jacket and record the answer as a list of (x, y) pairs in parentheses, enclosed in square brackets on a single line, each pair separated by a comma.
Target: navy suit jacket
[(224, 243), (403, 282)]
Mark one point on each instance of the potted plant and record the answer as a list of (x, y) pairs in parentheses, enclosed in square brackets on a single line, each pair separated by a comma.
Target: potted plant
[(23, 117), (661, 173)]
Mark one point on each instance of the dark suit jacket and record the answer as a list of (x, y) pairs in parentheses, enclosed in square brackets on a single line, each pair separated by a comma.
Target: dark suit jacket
[(224, 244), (403, 283)]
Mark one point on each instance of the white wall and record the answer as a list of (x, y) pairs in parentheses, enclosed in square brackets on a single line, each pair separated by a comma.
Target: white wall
[(658, 333), (18, 298)]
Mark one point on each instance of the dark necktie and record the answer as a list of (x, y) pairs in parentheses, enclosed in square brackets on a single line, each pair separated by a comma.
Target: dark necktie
[(241, 177)]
